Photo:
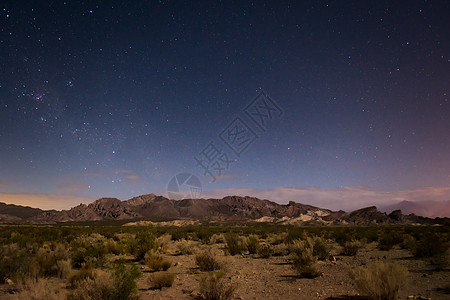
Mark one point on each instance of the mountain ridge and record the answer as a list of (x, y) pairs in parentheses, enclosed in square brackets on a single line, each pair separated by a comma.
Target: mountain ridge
[(229, 208)]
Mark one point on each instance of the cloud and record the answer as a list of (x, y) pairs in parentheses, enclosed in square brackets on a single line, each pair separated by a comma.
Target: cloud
[(92, 174), (123, 171), (346, 198), (74, 187), (44, 201), (134, 178)]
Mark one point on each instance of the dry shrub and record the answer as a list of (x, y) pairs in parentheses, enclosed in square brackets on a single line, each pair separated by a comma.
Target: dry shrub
[(380, 280), (156, 262), (277, 238), (350, 248), (207, 262), (252, 244), (305, 263), (213, 287), (217, 238), (120, 284), (161, 279), (235, 245), (86, 271), (40, 289), (185, 247), (98, 287), (265, 251), (64, 268), (163, 242), (280, 250)]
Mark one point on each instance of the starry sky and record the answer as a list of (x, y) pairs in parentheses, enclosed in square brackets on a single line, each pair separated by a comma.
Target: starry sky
[(114, 98)]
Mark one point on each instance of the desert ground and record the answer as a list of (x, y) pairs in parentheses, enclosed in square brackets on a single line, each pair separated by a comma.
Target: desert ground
[(224, 262)]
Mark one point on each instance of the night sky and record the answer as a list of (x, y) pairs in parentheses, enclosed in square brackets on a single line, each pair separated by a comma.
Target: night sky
[(114, 99)]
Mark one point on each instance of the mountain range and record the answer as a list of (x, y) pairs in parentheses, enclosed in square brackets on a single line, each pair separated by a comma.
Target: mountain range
[(227, 209)]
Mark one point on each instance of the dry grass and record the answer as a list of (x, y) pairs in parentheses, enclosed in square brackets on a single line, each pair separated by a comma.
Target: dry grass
[(156, 262), (161, 279), (207, 262), (213, 287), (380, 280)]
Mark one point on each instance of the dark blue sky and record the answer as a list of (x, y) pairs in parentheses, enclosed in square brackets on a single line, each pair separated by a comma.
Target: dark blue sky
[(114, 99)]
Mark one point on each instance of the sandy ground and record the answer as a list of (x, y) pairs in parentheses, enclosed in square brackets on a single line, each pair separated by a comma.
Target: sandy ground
[(274, 278)]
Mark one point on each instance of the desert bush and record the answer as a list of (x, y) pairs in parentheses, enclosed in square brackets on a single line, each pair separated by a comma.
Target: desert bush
[(185, 247), (265, 251), (277, 238), (204, 235), (125, 276), (280, 249), (41, 289), (96, 288), (213, 287), (321, 248), (380, 280), (144, 242), (217, 238), (156, 262), (15, 261), (305, 263), (294, 234), (350, 248), (163, 242), (207, 262), (234, 244), (409, 242), (85, 272), (389, 239), (252, 244), (161, 279), (429, 246), (64, 268)]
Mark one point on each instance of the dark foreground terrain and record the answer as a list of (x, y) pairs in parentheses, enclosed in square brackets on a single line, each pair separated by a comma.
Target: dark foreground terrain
[(260, 261)]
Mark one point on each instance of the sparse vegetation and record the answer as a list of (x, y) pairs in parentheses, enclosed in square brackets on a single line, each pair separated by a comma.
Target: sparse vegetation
[(380, 280), (98, 262)]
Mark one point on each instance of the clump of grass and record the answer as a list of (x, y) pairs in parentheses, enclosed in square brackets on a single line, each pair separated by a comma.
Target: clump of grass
[(117, 284), (85, 272), (234, 244), (380, 280), (280, 249), (161, 279), (252, 244), (213, 287), (156, 262), (39, 289), (265, 251), (185, 247), (217, 239), (207, 262), (305, 263), (350, 248)]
